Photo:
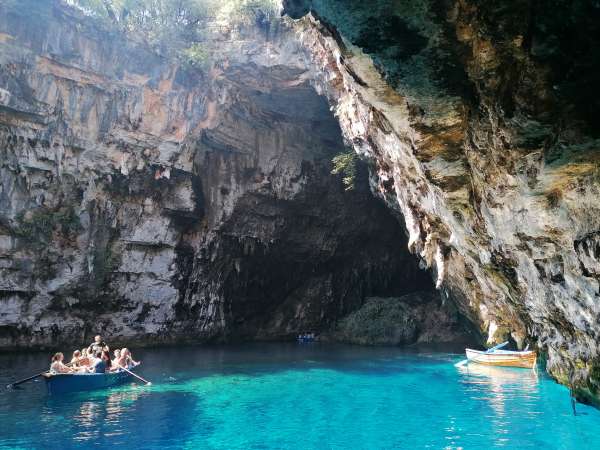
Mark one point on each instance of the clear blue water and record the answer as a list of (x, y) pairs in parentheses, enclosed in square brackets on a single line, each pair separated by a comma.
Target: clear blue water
[(281, 396)]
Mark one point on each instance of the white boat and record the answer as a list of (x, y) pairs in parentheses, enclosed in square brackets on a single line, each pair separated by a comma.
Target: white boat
[(506, 358)]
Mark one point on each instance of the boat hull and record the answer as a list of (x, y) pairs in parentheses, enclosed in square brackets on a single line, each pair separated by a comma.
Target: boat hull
[(526, 360), (65, 382)]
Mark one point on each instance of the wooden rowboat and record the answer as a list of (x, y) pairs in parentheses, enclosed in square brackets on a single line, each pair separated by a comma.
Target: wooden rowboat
[(507, 358), (61, 383)]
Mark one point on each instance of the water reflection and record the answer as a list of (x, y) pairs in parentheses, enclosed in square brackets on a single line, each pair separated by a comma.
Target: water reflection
[(109, 411), (87, 418), (499, 387), (500, 381)]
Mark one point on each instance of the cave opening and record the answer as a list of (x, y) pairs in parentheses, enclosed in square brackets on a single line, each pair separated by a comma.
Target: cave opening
[(392, 173), (292, 249), (172, 201)]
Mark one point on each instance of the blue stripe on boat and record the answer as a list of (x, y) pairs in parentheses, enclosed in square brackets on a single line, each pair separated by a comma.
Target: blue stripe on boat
[(67, 382)]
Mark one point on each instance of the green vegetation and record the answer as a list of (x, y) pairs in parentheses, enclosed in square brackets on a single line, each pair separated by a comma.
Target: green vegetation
[(38, 226), (196, 56), (179, 28), (346, 164)]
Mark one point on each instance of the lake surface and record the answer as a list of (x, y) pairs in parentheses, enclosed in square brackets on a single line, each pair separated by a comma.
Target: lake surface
[(286, 396)]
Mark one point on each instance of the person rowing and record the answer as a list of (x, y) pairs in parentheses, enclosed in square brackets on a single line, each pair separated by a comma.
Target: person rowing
[(125, 359), (57, 365)]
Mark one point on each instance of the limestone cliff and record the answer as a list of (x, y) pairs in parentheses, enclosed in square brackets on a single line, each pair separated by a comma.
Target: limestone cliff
[(152, 200), (478, 120), (158, 203)]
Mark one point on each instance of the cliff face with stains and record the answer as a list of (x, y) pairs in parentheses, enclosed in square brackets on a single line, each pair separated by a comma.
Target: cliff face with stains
[(155, 203), (478, 120)]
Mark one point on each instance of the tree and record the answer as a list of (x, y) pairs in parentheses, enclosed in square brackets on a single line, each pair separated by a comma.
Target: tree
[(346, 164), (177, 27)]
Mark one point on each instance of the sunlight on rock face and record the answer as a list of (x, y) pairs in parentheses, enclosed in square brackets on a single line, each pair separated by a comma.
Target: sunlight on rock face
[(177, 161), (174, 182), (458, 117)]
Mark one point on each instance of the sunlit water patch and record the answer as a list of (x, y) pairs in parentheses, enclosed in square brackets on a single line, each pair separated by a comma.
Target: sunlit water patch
[(299, 397)]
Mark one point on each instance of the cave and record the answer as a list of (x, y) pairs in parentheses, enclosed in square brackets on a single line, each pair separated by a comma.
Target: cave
[(161, 204), (284, 166)]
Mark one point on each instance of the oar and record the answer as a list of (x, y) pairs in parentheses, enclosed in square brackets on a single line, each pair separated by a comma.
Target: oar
[(489, 350), (135, 375), (24, 380)]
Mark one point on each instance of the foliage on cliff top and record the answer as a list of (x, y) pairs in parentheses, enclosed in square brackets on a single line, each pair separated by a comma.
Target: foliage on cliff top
[(179, 27)]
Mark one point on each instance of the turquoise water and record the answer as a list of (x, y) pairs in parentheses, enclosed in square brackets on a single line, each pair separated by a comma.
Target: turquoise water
[(281, 396)]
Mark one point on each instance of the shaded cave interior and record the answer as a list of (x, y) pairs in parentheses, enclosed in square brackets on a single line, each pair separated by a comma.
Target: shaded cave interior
[(286, 264)]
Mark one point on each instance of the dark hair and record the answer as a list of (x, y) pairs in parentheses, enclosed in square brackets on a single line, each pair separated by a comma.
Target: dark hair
[(106, 358)]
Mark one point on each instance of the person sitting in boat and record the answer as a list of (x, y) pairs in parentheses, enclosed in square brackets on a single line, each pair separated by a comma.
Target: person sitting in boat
[(76, 359), (122, 360), (57, 365), (132, 362), (106, 358), (97, 346), (84, 360), (98, 365), (79, 363), (126, 360), (115, 362)]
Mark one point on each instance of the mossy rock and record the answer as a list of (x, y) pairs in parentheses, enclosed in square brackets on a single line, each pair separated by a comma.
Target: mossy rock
[(37, 226), (380, 321)]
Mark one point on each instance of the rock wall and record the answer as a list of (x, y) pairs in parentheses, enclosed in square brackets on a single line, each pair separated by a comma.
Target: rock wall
[(160, 203), (477, 120), (155, 203), (417, 319)]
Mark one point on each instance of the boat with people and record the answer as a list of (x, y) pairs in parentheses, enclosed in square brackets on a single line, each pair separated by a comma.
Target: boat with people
[(60, 383), (306, 338), (90, 368)]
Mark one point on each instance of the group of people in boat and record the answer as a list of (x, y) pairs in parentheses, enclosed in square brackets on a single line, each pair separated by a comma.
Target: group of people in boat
[(95, 358), (306, 337)]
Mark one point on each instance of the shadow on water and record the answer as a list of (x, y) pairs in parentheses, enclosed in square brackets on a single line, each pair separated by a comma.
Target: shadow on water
[(257, 358)]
